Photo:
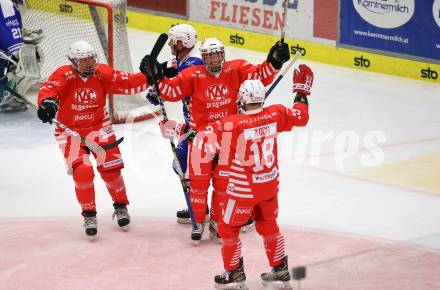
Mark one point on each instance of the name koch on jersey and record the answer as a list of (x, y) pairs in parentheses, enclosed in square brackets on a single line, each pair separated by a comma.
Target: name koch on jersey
[(268, 130)]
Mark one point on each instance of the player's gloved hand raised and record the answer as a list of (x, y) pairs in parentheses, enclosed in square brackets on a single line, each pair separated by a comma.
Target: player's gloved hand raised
[(48, 109), (151, 69), (278, 54), (303, 80), (152, 96)]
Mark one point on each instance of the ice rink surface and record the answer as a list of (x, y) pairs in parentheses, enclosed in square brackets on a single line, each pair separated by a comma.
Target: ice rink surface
[(359, 196)]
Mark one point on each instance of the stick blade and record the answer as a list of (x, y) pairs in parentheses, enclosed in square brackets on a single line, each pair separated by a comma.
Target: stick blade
[(160, 43)]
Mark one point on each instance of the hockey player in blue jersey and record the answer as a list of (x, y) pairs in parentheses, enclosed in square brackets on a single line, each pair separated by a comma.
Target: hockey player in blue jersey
[(10, 42), (182, 42)]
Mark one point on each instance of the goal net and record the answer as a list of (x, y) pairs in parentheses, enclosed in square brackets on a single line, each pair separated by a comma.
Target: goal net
[(103, 24)]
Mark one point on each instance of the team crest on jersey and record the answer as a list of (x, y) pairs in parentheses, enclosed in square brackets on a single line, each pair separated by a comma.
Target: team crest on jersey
[(85, 96), (216, 92)]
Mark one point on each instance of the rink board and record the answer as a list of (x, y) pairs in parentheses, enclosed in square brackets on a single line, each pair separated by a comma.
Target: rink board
[(311, 51)]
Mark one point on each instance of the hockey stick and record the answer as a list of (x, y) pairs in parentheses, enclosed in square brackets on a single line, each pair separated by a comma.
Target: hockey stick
[(6, 57), (292, 61), (283, 28), (154, 53), (281, 75), (90, 144)]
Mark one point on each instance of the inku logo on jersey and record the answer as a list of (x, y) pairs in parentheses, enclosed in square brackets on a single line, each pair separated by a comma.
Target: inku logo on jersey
[(429, 74), (65, 8), (216, 92), (385, 13), (297, 48), (236, 39), (362, 62), (85, 96), (243, 210)]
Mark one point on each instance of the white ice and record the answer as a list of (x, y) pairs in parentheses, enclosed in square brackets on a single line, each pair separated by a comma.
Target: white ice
[(319, 188)]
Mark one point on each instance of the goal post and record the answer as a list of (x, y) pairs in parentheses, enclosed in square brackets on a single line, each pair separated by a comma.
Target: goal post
[(103, 24)]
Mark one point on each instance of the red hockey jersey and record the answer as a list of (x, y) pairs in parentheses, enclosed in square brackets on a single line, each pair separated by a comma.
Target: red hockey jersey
[(246, 145), (82, 100), (213, 97)]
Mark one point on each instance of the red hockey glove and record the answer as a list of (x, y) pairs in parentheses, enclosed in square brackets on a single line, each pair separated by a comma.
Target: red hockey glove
[(303, 80), (171, 129)]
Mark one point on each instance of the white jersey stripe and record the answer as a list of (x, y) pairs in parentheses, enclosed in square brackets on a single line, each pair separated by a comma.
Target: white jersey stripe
[(228, 212), (236, 181), (239, 195), (242, 189), (237, 175), (237, 168)]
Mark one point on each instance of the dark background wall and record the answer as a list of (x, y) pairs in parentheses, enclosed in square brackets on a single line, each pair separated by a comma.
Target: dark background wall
[(175, 6)]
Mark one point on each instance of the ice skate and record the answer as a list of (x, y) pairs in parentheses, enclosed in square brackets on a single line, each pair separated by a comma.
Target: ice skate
[(213, 232), (90, 225), (183, 216), (197, 234), (235, 279), (249, 226), (278, 277), (121, 215)]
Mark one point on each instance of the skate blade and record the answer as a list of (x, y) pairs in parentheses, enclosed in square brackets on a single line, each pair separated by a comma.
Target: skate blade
[(91, 238), (232, 286), (125, 228), (183, 221), (214, 238), (277, 285), (248, 228)]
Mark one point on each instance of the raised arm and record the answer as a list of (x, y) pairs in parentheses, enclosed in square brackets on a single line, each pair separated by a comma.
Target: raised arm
[(117, 82), (298, 115), (171, 89)]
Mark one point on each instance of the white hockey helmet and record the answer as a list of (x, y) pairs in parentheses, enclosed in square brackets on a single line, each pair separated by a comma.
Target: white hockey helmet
[(185, 33), (213, 54), (82, 50), (251, 92)]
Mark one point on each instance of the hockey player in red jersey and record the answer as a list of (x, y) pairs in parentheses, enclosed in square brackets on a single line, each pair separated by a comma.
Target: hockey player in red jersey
[(76, 95), (213, 88), (247, 143)]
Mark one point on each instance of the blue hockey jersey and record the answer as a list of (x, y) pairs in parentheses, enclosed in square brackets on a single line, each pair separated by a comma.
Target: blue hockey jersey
[(10, 27)]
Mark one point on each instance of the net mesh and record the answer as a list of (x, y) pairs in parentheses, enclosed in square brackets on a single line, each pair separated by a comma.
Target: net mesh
[(64, 22)]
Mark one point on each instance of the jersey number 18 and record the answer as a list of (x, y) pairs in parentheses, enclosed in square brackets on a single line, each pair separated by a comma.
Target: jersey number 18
[(267, 151)]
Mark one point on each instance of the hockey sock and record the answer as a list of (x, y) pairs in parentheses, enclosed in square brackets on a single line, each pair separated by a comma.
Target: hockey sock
[(85, 191), (274, 246), (231, 253), (115, 185), (198, 197)]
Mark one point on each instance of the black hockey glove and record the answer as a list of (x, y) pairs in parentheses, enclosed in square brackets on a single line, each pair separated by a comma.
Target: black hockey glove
[(48, 109), (278, 54), (169, 72), (154, 72)]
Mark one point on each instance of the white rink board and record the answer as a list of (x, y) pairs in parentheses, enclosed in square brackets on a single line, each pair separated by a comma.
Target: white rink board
[(256, 17)]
